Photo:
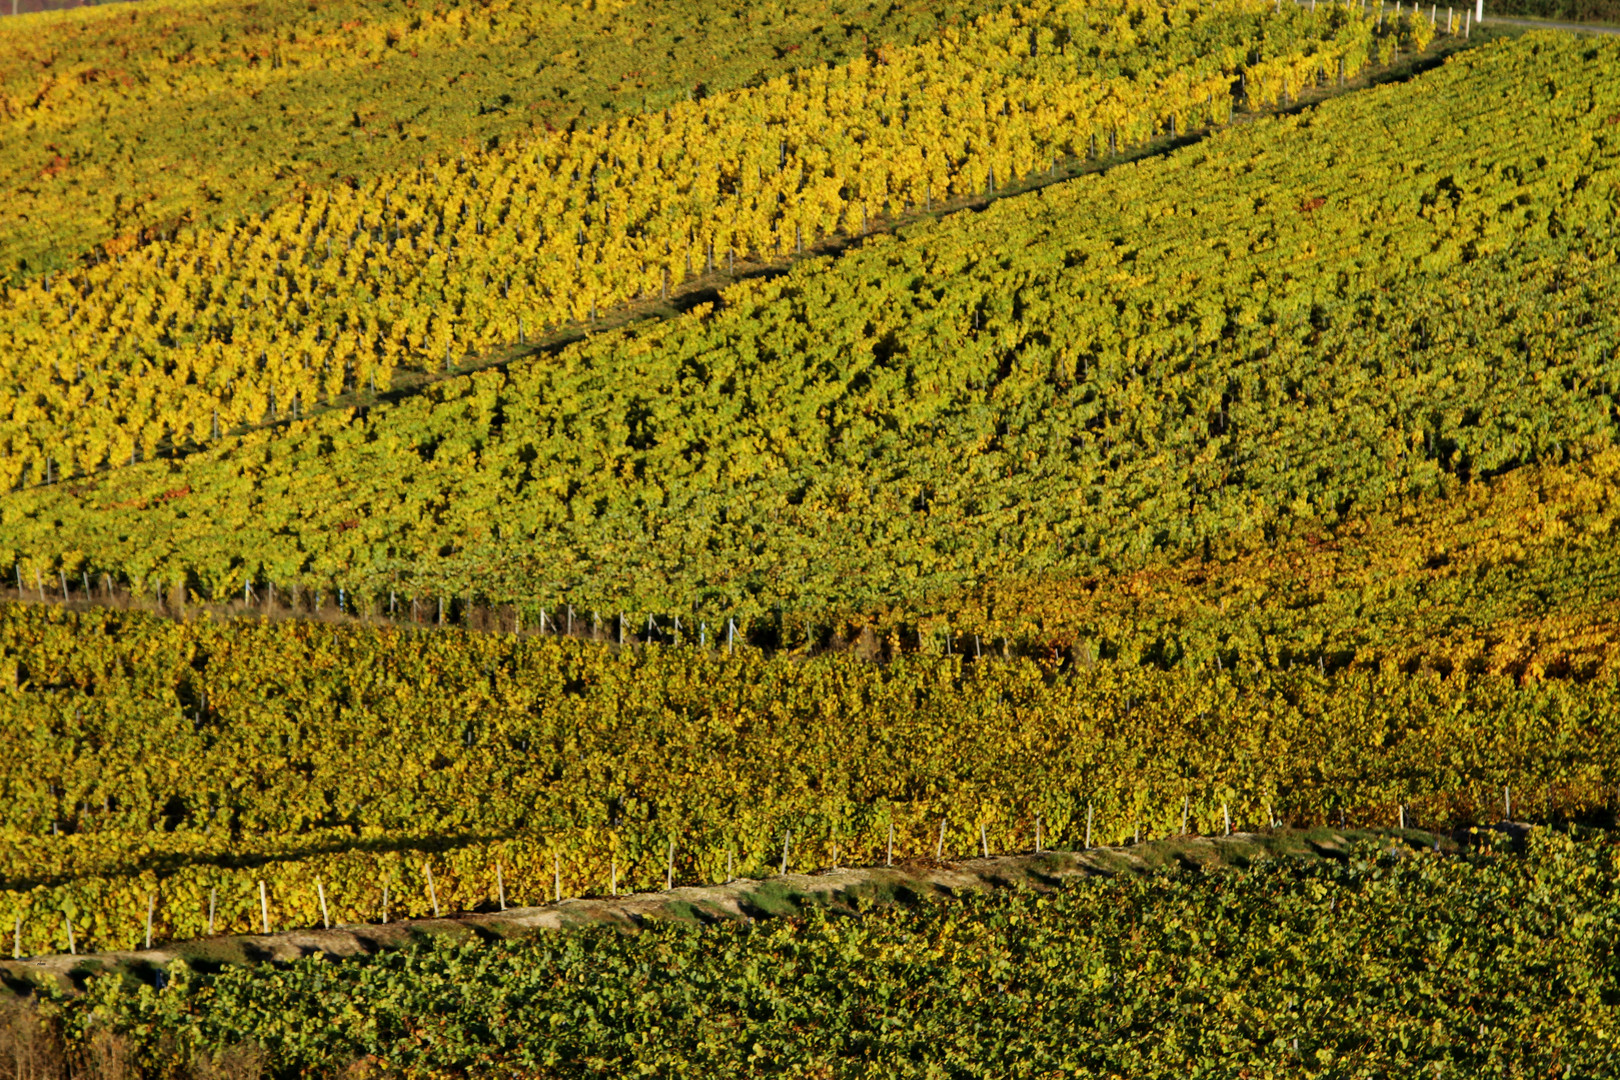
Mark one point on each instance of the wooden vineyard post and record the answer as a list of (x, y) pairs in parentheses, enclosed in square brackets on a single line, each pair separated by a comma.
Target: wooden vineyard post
[(1088, 827), (211, 896), (939, 846), (16, 940), (151, 904), (1037, 834), (888, 859), (433, 893), (730, 877), (73, 946), (984, 841), (1186, 802), (787, 838)]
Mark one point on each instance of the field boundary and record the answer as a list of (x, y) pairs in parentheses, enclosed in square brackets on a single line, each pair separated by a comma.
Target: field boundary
[(845, 890)]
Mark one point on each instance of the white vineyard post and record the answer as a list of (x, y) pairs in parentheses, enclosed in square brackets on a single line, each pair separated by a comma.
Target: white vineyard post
[(211, 893), (984, 841), (320, 892), (1507, 803), (787, 837), (730, 877), (613, 873), (385, 905), (1479, 10), (1088, 827), (939, 847), (669, 867), (433, 893), (500, 885), (888, 859), (1037, 834), (151, 903), (1400, 817), (73, 947), (1226, 815), (264, 909)]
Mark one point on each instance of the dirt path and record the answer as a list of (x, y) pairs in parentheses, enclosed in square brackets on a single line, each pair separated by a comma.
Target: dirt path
[(845, 889)]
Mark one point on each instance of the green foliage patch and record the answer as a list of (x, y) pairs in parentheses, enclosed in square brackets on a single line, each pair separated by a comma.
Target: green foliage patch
[(130, 119), (1279, 326), (1376, 966)]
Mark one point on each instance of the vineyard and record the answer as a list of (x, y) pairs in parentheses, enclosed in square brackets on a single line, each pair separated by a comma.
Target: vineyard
[(1374, 966), (1128, 380), (184, 339), (705, 443), (176, 759), (280, 97)]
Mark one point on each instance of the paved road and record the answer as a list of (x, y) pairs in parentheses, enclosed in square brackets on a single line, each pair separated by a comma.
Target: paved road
[(1538, 24)]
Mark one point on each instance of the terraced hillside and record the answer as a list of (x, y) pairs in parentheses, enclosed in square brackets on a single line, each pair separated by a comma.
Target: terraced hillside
[(1263, 481)]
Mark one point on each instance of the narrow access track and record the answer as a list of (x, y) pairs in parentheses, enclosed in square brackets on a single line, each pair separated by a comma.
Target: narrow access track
[(849, 890)]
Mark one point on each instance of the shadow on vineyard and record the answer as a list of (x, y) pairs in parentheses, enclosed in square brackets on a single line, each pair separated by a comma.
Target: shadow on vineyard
[(333, 841)]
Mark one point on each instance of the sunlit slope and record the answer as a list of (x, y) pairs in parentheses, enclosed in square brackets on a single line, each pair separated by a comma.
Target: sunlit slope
[(131, 118), (1256, 333), (335, 291)]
